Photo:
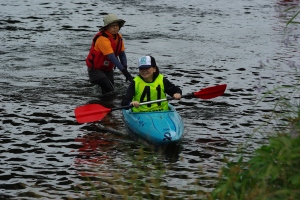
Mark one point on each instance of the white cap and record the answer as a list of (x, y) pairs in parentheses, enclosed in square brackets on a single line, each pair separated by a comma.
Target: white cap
[(146, 62)]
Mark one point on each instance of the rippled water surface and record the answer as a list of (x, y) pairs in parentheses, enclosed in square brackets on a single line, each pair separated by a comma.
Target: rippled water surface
[(45, 153)]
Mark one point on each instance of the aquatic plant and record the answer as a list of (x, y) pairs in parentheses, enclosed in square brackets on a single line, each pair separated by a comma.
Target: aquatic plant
[(292, 20), (273, 172)]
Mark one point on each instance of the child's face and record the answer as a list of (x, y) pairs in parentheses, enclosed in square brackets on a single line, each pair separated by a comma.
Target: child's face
[(147, 73)]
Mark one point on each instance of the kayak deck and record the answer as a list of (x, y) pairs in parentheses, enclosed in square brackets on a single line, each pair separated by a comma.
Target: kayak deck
[(160, 127)]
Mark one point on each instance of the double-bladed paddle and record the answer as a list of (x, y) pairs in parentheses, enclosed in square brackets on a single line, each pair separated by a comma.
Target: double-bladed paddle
[(96, 112)]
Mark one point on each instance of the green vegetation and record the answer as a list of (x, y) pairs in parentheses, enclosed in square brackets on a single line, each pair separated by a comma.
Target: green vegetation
[(273, 173), (274, 170)]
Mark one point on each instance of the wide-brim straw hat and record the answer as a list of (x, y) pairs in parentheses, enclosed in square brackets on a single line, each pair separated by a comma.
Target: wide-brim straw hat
[(110, 19)]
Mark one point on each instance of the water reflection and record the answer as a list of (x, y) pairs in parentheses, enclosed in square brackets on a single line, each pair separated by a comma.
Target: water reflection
[(93, 153)]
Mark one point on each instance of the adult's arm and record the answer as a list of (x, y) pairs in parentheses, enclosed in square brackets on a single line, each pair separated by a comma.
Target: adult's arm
[(123, 58), (113, 58)]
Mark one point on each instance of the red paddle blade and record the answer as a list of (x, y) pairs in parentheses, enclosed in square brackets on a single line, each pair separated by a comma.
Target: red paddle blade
[(211, 92), (90, 113)]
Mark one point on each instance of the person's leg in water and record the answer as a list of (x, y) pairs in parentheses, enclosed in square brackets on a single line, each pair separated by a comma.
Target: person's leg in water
[(109, 85), (105, 85), (105, 80), (110, 76)]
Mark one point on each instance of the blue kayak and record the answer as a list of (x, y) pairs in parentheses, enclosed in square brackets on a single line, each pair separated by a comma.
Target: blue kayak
[(159, 127)]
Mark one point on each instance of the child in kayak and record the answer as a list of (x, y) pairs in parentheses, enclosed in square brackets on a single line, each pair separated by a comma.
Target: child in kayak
[(149, 85)]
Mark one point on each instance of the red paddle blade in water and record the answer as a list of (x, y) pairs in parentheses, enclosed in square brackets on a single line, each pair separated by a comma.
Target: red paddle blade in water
[(90, 113), (211, 92)]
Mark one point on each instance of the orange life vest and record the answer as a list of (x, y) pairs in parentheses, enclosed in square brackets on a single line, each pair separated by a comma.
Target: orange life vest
[(96, 59)]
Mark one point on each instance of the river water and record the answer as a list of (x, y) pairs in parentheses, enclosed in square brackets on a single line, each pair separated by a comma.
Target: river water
[(46, 154)]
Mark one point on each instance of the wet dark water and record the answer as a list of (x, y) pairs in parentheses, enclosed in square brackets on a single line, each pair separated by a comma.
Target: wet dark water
[(46, 154)]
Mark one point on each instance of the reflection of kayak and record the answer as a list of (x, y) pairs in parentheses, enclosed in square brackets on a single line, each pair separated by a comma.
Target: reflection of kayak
[(160, 127)]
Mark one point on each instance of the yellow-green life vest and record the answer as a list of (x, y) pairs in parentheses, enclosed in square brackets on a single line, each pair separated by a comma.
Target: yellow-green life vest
[(149, 92)]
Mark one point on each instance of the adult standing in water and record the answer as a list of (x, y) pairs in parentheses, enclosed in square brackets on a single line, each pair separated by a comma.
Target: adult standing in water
[(106, 52)]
